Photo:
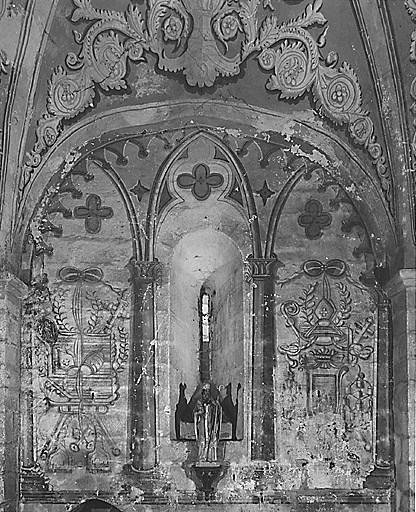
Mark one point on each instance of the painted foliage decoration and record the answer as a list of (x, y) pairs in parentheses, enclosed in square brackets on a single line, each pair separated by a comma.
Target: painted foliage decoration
[(329, 348), (77, 346), (204, 40)]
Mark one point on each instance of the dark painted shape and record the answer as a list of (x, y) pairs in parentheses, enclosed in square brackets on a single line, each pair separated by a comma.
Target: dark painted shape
[(95, 506), (93, 213), (81, 169), (235, 193), (139, 190), (200, 181), (265, 193), (165, 198), (68, 186), (314, 219)]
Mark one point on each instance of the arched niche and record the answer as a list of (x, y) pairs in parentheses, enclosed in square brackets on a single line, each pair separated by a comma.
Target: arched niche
[(201, 239), (207, 260)]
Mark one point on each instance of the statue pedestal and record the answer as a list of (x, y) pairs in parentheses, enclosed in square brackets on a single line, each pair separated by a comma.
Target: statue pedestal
[(206, 475)]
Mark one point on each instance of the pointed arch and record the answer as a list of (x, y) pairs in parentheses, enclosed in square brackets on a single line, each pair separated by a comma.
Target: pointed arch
[(161, 177)]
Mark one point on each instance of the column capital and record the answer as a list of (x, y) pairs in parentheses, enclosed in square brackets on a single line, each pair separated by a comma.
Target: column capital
[(260, 268), (146, 271), (405, 279)]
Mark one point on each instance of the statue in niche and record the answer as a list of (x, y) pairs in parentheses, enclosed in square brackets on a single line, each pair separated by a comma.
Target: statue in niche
[(207, 422)]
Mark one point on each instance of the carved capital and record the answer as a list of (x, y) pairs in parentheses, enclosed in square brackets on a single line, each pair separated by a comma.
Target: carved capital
[(146, 271), (260, 268)]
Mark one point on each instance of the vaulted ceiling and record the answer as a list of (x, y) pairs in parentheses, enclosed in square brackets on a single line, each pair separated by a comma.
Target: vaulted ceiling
[(345, 67)]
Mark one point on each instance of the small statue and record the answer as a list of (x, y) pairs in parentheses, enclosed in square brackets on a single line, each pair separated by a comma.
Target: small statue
[(207, 422)]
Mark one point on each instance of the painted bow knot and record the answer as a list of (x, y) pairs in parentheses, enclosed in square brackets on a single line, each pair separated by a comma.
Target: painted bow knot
[(72, 274), (334, 268)]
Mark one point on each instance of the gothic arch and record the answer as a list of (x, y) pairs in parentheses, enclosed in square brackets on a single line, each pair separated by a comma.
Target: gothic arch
[(225, 117), (248, 200)]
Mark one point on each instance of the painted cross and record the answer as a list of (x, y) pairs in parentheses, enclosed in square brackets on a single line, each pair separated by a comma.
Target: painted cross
[(93, 213), (314, 219), (200, 181)]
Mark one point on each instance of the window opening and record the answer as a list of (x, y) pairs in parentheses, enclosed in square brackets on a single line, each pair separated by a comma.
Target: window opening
[(205, 318)]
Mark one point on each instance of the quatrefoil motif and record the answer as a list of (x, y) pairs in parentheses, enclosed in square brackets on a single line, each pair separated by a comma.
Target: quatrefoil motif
[(200, 181), (314, 219)]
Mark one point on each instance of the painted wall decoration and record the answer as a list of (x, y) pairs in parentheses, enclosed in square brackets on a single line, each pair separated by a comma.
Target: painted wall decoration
[(79, 347), (116, 356), (224, 36)]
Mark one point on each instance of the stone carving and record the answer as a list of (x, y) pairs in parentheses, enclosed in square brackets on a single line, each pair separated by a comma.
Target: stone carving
[(183, 34), (314, 219), (411, 7), (207, 420), (200, 181), (81, 346), (93, 213)]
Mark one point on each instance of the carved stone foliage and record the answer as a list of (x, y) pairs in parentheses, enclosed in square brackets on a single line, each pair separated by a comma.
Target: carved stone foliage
[(329, 349), (76, 348), (205, 39)]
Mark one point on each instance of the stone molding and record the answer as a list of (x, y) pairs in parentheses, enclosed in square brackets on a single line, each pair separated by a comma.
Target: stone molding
[(405, 279)]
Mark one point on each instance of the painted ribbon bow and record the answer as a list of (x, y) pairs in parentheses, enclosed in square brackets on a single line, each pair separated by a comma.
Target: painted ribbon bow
[(315, 268), (72, 274)]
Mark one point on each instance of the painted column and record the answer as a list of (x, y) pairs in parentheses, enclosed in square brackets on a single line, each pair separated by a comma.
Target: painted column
[(144, 277), (261, 273), (11, 293), (401, 290), (381, 476)]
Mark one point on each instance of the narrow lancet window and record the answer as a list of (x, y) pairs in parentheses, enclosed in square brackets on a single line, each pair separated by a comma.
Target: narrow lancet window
[(205, 309)]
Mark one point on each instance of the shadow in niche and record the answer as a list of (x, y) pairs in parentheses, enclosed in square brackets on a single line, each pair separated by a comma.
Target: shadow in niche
[(184, 410), (95, 506)]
